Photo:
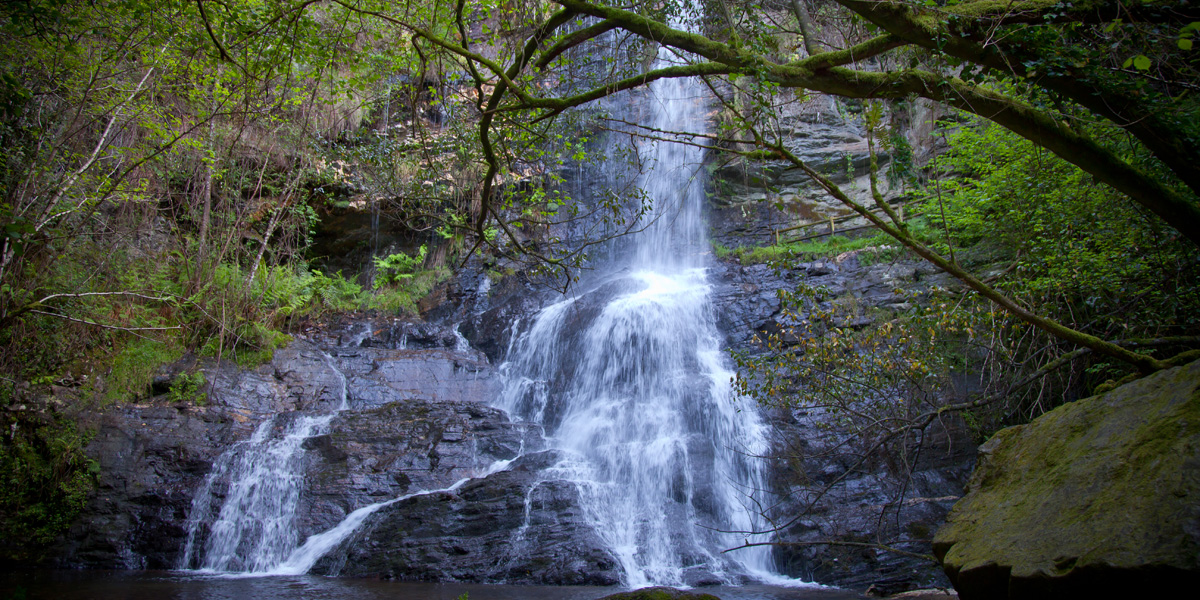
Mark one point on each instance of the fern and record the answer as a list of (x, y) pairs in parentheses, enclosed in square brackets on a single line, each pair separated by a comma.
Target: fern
[(398, 267)]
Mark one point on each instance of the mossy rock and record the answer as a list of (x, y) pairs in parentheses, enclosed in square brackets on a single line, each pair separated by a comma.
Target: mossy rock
[(660, 593), (1097, 497)]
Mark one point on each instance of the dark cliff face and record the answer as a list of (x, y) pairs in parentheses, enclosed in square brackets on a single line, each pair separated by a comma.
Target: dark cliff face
[(418, 420), (518, 525), (811, 451)]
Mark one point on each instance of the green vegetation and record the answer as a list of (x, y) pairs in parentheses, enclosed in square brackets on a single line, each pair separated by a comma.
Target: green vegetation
[(165, 167), (164, 170), (188, 387), (403, 297), (46, 480), (227, 144), (396, 268), (1074, 248), (133, 368), (879, 248)]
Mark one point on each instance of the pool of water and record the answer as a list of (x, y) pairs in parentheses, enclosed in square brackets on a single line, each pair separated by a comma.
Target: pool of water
[(170, 585)]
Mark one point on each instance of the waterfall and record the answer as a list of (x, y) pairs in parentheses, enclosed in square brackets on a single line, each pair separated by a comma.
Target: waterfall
[(254, 529), (629, 382)]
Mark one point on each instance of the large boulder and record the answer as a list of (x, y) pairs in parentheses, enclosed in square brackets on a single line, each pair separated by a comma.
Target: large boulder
[(519, 525), (1097, 498), (660, 593)]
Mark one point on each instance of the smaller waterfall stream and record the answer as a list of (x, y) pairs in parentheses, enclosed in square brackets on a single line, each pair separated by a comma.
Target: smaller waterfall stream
[(254, 529), (250, 528)]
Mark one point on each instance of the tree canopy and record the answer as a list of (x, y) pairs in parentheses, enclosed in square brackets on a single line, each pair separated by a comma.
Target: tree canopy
[(1106, 86), (105, 101)]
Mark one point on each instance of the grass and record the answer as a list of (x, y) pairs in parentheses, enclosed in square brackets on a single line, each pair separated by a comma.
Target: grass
[(133, 368), (402, 296), (886, 248), (826, 248)]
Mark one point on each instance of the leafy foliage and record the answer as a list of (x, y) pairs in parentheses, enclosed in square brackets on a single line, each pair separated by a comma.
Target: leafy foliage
[(1078, 250), (864, 363), (395, 268), (188, 387), (46, 481), (879, 248), (133, 368)]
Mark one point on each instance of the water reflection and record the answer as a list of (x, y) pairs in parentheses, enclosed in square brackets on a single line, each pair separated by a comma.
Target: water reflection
[(162, 585)]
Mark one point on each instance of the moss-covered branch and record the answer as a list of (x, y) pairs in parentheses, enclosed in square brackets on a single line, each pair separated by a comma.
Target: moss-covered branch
[(818, 74), (967, 35)]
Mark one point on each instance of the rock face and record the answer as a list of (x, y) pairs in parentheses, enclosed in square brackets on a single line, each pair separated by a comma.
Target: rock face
[(517, 525), (754, 198), (417, 423), (1097, 498), (418, 420), (152, 458), (811, 451)]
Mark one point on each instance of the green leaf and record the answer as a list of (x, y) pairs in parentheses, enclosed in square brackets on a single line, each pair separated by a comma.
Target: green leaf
[(1141, 62), (1185, 44)]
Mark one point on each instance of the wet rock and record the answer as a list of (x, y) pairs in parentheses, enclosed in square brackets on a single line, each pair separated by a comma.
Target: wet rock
[(1096, 498), (152, 458), (417, 419), (753, 199), (403, 447), (811, 451), (746, 297), (660, 593), (515, 526), (378, 377), (496, 314), (861, 509)]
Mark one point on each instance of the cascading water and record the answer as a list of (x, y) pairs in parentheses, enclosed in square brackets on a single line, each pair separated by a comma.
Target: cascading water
[(254, 529), (629, 382)]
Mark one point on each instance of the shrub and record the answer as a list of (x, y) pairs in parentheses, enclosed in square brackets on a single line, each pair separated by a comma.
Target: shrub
[(45, 480)]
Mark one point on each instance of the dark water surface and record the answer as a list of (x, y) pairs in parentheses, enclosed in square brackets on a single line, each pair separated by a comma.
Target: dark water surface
[(170, 585)]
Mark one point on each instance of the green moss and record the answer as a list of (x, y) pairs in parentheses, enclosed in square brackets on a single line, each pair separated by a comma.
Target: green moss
[(721, 251), (134, 366), (660, 593), (992, 8), (251, 344), (189, 387), (402, 297), (885, 249), (1097, 481)]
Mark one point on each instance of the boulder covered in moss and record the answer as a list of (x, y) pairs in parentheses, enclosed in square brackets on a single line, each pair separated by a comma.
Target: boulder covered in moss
[(1097, 498), (660, 593)]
